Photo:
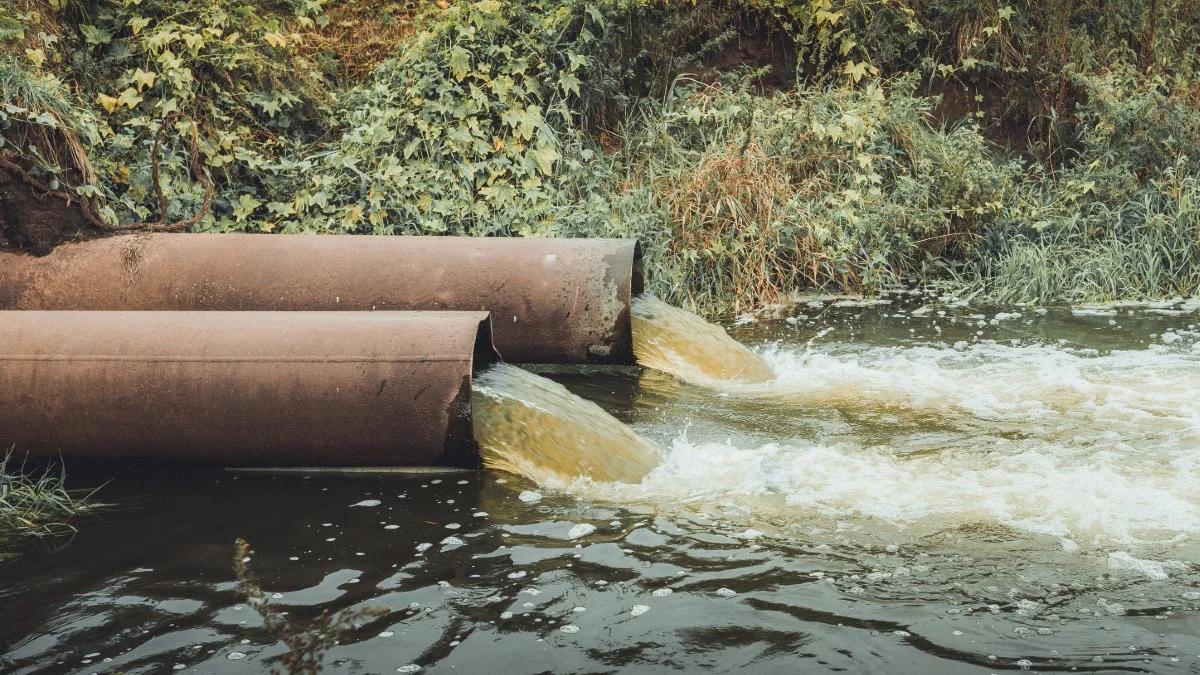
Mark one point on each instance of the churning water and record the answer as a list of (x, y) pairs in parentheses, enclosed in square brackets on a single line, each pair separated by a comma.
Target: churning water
[(1090, 448), (533, 427), (913, 489)]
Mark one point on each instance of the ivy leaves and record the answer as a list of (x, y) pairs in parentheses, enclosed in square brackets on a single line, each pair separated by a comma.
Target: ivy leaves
[(461, 133), (230, 65), (459, 62)]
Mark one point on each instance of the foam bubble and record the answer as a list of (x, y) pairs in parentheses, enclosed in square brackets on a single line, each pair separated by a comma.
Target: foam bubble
[(1098, 449)]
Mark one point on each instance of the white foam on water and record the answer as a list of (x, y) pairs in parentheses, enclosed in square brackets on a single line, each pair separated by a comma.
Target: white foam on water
[(1151, 569), (996, 381), (1095, 449)]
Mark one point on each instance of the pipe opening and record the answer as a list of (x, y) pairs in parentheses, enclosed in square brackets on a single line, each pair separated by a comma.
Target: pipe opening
[(460, 448), (637, 284), (484, 352), (243, 388)]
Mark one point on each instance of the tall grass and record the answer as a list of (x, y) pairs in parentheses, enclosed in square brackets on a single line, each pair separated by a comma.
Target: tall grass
[(743, 199), (36, 504), (1148, 247)]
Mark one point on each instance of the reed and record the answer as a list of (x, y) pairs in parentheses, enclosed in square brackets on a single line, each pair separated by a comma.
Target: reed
[(36, 504)]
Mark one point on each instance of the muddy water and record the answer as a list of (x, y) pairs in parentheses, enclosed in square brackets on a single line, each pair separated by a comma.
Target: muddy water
[(534, 427), (916, 489), (675, 341)]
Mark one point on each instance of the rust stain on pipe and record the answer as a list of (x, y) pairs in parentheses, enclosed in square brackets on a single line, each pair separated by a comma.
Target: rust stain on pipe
[(243, 388), (552, 300)]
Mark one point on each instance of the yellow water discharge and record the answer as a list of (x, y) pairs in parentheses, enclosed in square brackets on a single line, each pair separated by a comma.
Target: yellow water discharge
[(678, 342), (531, 426)]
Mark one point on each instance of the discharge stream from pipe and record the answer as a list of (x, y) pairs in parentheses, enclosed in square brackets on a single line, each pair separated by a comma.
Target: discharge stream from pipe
[(1096, 447), (531, 426), (678, 342)]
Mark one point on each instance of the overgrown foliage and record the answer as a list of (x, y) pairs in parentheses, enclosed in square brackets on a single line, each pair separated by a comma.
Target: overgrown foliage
[(1121, 218), (757, 196), (1031, 151), (459, 133)]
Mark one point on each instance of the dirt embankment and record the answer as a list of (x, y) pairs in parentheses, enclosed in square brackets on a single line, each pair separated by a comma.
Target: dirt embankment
[(37, 221)]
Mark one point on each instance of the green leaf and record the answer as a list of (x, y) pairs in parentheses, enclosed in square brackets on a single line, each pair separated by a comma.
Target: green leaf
[(460, 62), (594, 12), (94, 35), (244, 207), (137, 23), (856, 71), (270, 107), (502, 86), (545, 156), (143, 78), (569, 83), (129, 98)]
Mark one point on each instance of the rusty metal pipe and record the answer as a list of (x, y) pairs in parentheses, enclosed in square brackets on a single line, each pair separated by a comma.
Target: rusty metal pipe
[(243, 388), (552, 300)]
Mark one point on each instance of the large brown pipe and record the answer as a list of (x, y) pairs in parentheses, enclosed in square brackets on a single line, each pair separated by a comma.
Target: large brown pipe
[(243, 388), (552, 300)]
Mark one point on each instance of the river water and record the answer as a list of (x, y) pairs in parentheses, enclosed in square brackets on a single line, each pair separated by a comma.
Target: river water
[(919, 488)]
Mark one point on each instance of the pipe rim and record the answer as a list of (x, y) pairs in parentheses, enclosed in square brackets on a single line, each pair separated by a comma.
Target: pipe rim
[(459, 448)]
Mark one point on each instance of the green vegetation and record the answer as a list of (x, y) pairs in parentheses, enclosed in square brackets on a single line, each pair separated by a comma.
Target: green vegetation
[(35, 505), (1015, 150)]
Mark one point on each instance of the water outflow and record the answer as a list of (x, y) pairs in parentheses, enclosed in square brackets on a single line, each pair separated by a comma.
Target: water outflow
[(1092, 448), (534, 427), (678, 342)]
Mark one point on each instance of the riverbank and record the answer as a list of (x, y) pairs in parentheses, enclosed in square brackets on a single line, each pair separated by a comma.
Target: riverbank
[(757, 149)]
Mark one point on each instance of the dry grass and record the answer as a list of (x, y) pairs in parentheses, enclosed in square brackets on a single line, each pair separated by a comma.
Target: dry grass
[(361, 34), (748, 203)]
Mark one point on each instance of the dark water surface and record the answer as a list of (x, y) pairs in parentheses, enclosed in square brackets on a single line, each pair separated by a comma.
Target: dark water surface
[(973, 492)]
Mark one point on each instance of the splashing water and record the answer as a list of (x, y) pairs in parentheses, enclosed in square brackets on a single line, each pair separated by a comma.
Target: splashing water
[(678, 342), (1094, 449), (531, 426), (908, 496)]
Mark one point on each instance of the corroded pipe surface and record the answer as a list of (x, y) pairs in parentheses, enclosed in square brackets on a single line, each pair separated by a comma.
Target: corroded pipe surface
[(243, 388), (552, 300)]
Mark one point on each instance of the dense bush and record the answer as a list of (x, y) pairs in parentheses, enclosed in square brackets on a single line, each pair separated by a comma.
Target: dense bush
[(1028, 151), (1121, 219), (459, 134), (228, 67), (752, 197)]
